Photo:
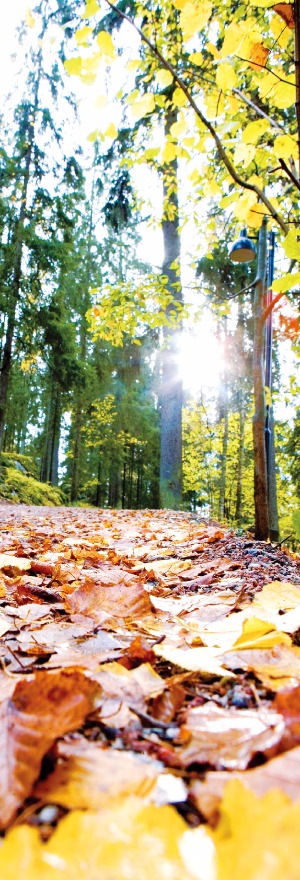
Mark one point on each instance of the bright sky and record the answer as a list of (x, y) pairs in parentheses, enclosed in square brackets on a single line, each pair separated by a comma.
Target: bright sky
[(200, 360)]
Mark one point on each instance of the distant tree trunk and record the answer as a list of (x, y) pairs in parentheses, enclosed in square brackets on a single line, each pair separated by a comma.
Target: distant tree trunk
[(50, 460), (240, 464), (171, 383), (224, 418), (260, 461)]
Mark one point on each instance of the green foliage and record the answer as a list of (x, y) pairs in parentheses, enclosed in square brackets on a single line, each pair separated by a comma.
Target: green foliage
[(26, 490), (8, 459)]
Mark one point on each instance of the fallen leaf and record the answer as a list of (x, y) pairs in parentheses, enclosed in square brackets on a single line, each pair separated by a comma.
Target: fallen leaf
[(257, 838), (115, 592), (88, 776), (205, 660), (228, 737), (260, 634), (14, 565), (278, 667), (281, 772), (31, 719), (127, 841), (132, 686)]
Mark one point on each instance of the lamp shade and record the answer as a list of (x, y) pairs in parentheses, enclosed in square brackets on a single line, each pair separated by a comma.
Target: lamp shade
[(243, 250)]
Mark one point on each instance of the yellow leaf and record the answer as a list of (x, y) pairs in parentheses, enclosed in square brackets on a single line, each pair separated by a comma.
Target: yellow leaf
[(82, 35), (134, 64), (30, 20), (196, 58), (257, 838), (105, 44), (90, 66), (151, 153), (291, 244), (194, 17), (178, 98), (91, 8), (244, 154), (255, 130), (143, 106), (244, 204), (111, 131), (285, 147), (205, 660), (179, 128), (211, 188), (286, 282), (226, 77), (128, 841), (163, 78), (260, 634), (73, 66)]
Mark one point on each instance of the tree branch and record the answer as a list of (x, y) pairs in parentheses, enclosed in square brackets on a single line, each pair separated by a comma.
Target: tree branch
[(240, 181)]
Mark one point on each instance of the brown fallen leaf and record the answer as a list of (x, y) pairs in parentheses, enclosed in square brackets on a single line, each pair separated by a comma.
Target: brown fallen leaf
[(228, 738), (31, 719), (278, 667), (89, 775), (14, 565), (131, 686), (281, 772), (288, 704), (114, 592)]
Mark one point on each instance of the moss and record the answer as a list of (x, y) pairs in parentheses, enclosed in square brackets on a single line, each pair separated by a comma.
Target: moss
[(26, 490), (8, 459)]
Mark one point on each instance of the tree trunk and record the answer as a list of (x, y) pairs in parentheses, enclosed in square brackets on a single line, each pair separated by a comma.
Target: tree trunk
[(240, 464), (171, 383)]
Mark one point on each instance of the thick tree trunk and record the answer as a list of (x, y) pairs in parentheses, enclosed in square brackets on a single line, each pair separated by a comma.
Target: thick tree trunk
[(171, 383)]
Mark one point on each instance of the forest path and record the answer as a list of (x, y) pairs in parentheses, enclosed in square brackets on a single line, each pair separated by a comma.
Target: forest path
[(148, 658)]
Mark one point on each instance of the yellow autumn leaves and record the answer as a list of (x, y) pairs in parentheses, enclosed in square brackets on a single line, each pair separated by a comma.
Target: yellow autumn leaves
[(130, 839)]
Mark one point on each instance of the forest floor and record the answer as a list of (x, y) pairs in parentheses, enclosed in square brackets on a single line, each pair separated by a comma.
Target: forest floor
[(150, 698)]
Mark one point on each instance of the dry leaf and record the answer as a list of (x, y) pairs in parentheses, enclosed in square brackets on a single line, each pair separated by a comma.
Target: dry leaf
[(14, 565), (90, 776), (278, 667), (205, 660), (281, 772), (257, 838), (286, 11), (128, 841), (115, 592), (31, 719), (228, 738)]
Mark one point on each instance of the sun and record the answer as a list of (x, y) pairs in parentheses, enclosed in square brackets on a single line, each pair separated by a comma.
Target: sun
[(200, 360)]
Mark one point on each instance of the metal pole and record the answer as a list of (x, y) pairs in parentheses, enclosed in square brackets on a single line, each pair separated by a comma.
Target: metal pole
[(269, 337), (269, 424)]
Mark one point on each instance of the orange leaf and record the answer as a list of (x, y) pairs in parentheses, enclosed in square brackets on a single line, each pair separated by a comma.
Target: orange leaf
[(258, 56), (286, 11)]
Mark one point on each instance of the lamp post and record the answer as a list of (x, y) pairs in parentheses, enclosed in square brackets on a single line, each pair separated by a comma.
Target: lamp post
[(265, 502)]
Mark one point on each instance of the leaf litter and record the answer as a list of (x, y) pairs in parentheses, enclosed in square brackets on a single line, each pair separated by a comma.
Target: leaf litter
[(149, 698)]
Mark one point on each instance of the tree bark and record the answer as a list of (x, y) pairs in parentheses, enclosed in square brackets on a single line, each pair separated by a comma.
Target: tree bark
[(171, 383)]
